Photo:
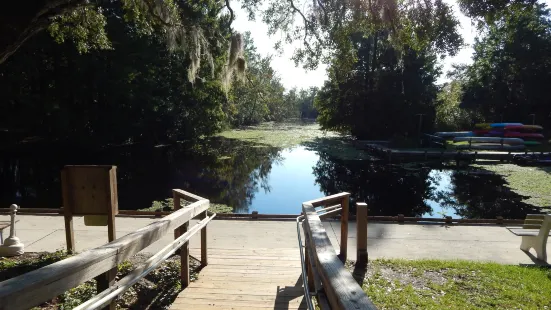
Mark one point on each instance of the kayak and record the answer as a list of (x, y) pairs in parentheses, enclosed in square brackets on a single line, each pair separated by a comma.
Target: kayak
[(452, 134), (510, 141), (532, 143), (524, 128), (482, 126), (515, 134), (493, 147), (481, 132), (501, 125)]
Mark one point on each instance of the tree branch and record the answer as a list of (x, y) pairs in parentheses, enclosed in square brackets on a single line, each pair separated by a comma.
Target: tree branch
[(231, 12), (39, 22)]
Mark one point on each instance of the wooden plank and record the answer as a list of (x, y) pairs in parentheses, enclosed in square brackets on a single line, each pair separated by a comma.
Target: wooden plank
[(186, 195), (342, 290), (291, 291), (238, 303), (337, 198), (105, 281)]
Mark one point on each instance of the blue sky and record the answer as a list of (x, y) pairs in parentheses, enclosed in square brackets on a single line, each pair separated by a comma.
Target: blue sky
[(292, 76)]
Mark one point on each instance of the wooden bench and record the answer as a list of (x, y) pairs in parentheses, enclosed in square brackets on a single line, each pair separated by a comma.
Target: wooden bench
[(534, 233)]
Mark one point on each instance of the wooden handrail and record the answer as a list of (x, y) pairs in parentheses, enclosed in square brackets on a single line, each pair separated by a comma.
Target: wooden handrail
[(35, 287), (324, 268)]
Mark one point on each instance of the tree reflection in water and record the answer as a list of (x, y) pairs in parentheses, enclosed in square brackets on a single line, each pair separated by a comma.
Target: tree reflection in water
[(480, 194), (226, 171), (388, 190)]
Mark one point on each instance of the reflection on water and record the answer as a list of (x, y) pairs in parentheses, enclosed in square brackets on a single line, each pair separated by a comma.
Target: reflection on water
[(252, 177)]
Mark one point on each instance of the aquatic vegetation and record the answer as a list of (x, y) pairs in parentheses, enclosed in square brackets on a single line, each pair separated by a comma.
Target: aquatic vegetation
[(288, 135), (279, 134)]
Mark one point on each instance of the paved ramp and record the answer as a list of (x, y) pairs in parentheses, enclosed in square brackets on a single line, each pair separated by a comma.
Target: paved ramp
[(242, 278)]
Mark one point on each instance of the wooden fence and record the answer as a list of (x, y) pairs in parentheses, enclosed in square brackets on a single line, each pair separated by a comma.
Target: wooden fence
[(41, 285), (326, 274)]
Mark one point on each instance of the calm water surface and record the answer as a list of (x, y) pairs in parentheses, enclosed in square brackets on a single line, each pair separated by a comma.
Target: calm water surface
[(266, 179)]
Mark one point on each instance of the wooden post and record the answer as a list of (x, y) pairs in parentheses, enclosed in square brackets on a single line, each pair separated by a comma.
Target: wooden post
[(361, 233), (344, 227), (69, 232), (184, 250), (204, 252), (113, 209), (105, 281)]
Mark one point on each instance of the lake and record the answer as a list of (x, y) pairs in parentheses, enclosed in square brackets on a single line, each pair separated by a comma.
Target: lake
[(261, 170)]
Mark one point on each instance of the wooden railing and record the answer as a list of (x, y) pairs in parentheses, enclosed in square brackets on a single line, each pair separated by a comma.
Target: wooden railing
[(325, 275), (41, 285)]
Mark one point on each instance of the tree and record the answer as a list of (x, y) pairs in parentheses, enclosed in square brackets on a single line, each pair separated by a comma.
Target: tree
[(259, 96), (511, 65), (449, 115), (84, 22), (136, 92)]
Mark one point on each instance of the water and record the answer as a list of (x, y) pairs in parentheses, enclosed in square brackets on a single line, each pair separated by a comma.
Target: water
[(249, 177)]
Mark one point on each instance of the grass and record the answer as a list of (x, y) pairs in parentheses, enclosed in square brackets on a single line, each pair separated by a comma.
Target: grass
[(436, 284), (534, 182)]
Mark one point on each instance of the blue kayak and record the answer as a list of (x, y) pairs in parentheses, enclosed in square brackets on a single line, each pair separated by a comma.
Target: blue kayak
[(501, 125), (453, 134)]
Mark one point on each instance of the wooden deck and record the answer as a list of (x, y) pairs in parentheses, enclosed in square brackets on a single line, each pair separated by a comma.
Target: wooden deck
[(246, 279)]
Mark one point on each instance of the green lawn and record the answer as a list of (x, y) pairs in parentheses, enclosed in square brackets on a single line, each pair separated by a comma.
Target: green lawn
[(434, 284)]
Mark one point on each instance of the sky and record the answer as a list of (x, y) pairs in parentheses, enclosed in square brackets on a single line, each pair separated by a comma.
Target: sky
[(292, 76)]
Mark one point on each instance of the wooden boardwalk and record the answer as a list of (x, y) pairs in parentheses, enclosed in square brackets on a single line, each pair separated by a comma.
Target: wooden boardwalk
[(245, 278)]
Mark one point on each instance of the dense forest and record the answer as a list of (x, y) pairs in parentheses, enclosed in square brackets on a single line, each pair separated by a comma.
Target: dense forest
[(157, 71)]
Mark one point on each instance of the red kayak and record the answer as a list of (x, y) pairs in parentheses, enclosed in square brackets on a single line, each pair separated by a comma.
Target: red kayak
[(514, 134), (524, 128), (481, 132)]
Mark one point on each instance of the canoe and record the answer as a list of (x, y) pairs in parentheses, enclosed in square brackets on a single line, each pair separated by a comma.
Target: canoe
[(452, 134), (514, 134), (501, 125), (482, 126), (494, 133), (492, 147), (524, 128), (532, 143), (509, 141), (481, 132)]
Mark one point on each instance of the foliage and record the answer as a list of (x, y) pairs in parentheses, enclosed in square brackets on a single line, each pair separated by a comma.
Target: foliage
[(382, 76), (379, 98), (11, 267), (437, 284), (511, 64), (168, 205), (137, 92), (84, 23), (259, 97), (449, 115), (323, 26)]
